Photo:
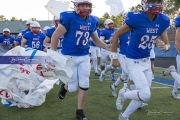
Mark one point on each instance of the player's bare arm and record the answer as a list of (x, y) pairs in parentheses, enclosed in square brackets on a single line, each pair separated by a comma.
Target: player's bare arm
[(61, 30), (99, 42), (47, 41), (23, 43), (164, 44), (177, 40)]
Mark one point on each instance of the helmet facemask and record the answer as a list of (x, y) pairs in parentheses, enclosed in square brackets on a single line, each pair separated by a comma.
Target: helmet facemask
[(6, 33), (55, 21), (35, 30), (83, 8), (111, 26), (152, 6)]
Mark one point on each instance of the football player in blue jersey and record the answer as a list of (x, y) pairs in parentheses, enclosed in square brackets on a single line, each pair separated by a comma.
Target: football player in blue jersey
[(95, 55), (77, 27), (171, 70), (6, 41), (18, 39), (49, 33), (34, 39), (28, 27), (105, 55), (145, 27)]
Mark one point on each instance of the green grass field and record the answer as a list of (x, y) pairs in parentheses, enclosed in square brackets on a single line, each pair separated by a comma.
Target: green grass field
[(100, 105)]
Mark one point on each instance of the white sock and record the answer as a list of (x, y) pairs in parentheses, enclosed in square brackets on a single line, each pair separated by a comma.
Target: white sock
[(107, 68), (132, 87), (95, 65), (175, 88), (176, 77), (131, 95), (125, 84), (133, 106), (118, 82)]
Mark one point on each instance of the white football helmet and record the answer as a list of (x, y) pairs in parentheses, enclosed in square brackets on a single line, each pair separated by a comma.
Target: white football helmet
[(29, 22), (151, 7), (82, 12), (35, 24), (107, 22), (46, 27), (20, 35), (35, 27), (6, 32), (55, 21)]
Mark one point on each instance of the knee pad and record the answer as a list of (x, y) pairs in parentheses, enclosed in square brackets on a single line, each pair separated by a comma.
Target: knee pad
[(145, 96), (85, 89)]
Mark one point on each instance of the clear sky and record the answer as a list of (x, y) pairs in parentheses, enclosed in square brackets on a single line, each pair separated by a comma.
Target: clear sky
[(27, 9)]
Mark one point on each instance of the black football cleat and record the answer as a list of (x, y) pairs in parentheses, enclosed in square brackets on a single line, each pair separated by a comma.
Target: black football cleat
[(62, 92)]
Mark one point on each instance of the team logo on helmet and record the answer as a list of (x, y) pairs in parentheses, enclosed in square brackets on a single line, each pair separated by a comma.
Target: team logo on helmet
[(153, 7)]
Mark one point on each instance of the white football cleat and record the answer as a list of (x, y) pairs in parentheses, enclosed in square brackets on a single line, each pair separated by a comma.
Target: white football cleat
[(113, 90), (102, 76), (143, 105), (122, 118), (169, 70), (99, 68), (120, 100), (175, 95)]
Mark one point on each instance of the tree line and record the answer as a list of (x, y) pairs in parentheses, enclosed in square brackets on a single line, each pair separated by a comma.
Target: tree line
[(3, 18)]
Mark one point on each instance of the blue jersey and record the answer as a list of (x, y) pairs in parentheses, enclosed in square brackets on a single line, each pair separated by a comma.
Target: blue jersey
[(177, 22), (49, 33), (107, 33), (99, 32), (144, 33), (24, 31), (18, 39), (35, 41), (79, 31), (5, 43), (123, 43)]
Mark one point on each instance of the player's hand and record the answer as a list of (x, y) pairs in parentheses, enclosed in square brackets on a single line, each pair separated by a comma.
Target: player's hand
[(161, 45), (109, 47), (115, 63), (45, 49)]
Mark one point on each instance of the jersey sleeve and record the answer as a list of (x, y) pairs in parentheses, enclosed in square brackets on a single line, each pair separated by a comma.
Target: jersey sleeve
[(65, 20), (103, 32), (166, 21), (43, 36), (48, 33), (12, 39), (130, 19), (26, 36), (177, 22), (0, 38), (97, 23)]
